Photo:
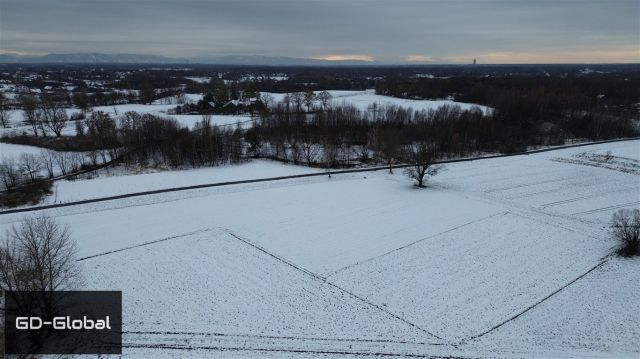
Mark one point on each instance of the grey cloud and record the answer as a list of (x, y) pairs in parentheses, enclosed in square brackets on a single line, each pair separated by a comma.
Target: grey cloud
[(387, 30)]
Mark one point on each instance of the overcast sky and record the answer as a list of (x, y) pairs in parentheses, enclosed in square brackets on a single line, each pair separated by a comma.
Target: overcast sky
[(396, 31)]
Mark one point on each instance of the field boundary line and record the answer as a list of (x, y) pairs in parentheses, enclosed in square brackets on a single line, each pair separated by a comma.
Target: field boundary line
[(416, 242), (147, 243), (323, 280), (602, 262)]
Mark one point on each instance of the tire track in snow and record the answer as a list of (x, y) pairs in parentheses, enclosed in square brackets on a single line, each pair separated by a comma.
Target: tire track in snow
[(581, 198), (259, 336), (323, 279), (607, 208), (288, 350)]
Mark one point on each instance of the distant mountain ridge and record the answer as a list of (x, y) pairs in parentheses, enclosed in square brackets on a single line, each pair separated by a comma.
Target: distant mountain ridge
[(98, 58)]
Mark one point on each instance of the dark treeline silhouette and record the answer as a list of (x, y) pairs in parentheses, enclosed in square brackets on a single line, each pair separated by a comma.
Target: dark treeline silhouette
[(157, 141), (537, 109)]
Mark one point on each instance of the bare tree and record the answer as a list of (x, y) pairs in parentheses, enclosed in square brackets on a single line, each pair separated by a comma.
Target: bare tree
[(625, 226), (93, 157), (267, 99), (310, 151), (5, 111), (76, 160), (421, 157), (9, 173), (38, 255), (324, 98), (387, 141), (79, 124), (30, 165), (31, 115), (62, 160), (54, 117), (47, 159), (309, 98), (298, 99)]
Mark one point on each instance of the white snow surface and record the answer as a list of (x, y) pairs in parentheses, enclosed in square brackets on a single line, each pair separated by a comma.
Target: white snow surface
[(17, 125), (505, 257), (111, 182), (11, 150), (200, 80), (363, 99)]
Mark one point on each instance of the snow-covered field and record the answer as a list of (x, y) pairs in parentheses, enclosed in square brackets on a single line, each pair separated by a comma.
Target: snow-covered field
[(15, 151), (12, 152), (17, 125), (505, 257), (363, 99), (113, 182)]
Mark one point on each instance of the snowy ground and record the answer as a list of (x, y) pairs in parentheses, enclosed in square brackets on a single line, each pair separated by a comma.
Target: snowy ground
[(363, 99), (229, 121), (15, 151), (17, 125), (113, 182), (505, 257)]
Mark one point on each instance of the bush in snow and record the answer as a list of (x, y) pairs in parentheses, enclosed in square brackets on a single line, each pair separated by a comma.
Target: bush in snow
[(625, 226)]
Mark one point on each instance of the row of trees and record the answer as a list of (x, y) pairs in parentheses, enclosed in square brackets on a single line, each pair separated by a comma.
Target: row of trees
[(535, 109), (334, 136), (156, 141), (44, 115), (29, 168)]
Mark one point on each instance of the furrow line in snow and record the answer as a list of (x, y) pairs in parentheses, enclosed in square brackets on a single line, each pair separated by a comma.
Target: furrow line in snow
[(602, 262), (415, 242), (147, 243), (323, 279)]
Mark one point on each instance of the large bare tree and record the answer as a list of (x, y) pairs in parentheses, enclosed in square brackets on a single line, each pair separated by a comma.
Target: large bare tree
[(30, 165), (31, 113), (421, 157), (38, 255), (54, 117)]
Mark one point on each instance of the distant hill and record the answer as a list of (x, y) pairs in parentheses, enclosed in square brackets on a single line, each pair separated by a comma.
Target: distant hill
[(245, 60), (88, 58)]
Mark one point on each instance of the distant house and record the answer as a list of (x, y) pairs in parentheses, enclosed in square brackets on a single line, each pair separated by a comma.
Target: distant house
[(242, 101)]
